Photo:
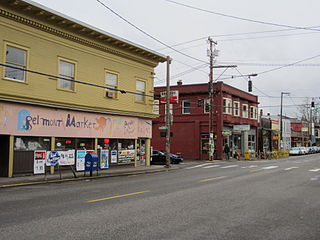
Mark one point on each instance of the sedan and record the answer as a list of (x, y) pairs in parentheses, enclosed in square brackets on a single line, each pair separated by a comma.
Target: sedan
[(295, 151), (159, 157)]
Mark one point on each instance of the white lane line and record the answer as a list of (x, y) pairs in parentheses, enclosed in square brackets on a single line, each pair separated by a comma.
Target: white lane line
[(290, 168), (270, 167), (201, 165), (211, 166), (314, 170), (230, 166), (251, 166)]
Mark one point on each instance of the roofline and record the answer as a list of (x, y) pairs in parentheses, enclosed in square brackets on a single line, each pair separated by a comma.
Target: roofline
[(163, 57)]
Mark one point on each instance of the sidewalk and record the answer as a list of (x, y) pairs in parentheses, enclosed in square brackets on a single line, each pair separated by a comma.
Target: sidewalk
[(67, 176)]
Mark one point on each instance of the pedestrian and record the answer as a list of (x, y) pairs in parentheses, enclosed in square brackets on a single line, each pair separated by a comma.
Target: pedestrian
[(226, 151)]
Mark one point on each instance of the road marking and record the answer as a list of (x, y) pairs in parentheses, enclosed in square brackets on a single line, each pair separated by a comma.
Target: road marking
[(211, 179), (201, 165), (270, 167), (230, 166), (118, 196), (315, 178), (290, 168), (211, 166), (251, 166), (314, 170)]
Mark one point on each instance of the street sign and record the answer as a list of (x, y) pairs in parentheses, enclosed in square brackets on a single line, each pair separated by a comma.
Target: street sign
[(173, 95), (163, 128)]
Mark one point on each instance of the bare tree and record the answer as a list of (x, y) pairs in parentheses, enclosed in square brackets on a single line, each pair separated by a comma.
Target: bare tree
[(305, 113)]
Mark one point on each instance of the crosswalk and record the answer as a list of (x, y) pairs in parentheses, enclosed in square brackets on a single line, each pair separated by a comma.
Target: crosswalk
[(255, 167)]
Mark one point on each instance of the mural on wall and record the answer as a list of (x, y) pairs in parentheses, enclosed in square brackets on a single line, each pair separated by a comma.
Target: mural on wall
[(18, 119)]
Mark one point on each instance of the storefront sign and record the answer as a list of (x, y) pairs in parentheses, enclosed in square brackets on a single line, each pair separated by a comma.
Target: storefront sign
[(226, 132), (67, 158), (26, 120), (125, 156), (104, 157), (39, 162), (80, 160), (62, 158), (240, 128), (114, 156), (52, 158), (305, 129)]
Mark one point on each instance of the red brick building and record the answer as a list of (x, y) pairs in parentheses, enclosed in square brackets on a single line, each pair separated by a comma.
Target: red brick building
[(190, 123)]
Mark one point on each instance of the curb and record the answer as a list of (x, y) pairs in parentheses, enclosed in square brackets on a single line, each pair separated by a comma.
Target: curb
[(21, 184)]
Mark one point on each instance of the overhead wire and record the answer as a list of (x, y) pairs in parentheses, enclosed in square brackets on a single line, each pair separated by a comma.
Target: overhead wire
[(147, 34), (241, 18)]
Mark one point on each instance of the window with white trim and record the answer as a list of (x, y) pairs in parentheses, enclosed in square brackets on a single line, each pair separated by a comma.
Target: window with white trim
[(245, 110), (186, 108), (66, 71), (253, 112), (156, 107), (227, 108), (206, 107), (15, 57), (236, 108), (111, 80), (140, 90)]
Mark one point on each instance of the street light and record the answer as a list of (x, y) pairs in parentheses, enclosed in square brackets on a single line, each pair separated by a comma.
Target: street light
[(282, 93)]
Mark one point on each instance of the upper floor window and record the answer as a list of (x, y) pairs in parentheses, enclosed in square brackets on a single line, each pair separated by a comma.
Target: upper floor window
[(245, 110), (156, 107), (206, 107), (186, 107), (227, 105), (140, 90), (66, 71), (15, 57), (236, 108), (111, 82), (253, 112)]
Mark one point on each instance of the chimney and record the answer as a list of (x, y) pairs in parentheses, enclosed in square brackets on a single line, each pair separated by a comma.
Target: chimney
[(179, 83)]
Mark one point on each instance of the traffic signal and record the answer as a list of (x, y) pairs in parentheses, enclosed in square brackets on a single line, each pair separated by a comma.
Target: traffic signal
[(249, 86), (313, 106)]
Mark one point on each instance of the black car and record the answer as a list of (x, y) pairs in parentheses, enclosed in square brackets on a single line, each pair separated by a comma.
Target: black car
[(159, 157)]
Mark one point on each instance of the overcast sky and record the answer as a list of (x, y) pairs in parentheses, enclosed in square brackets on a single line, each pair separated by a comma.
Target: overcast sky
[(266, 47)]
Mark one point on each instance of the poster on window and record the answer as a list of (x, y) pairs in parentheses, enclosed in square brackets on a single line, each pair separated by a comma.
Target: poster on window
[(104, 157), (39, 161), (81, 154), (125, 156), (67, 158), (114, 156)]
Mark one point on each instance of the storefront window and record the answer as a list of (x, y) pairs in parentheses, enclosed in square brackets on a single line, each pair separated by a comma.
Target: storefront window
[(104, 143), (32, 143), (63, 144), (85, 143), (251, 142)]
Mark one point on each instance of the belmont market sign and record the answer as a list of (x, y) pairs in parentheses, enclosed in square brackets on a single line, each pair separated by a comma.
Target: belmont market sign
[(19, 119)]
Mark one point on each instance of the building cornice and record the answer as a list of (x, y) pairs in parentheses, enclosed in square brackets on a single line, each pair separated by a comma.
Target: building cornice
[(74, 31)]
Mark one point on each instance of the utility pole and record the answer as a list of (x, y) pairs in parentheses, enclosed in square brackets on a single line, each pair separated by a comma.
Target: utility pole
[(281, 127), (211, 141), (168, 116)]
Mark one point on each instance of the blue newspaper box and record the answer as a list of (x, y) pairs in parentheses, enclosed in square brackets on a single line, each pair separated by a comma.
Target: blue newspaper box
[(91, 162)]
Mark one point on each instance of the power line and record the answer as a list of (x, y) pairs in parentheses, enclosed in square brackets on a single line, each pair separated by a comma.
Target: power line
[(241, 18), (245, 33), (75, 81), (147, 34)]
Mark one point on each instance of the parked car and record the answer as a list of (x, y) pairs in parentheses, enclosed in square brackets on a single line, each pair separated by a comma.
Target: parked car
[(304, 150), (159, 157), (295, 151)]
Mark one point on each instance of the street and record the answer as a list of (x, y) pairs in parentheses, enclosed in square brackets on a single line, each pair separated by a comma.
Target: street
[(273, 199)]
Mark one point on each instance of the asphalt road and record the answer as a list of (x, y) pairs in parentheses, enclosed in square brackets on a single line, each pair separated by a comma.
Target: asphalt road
[(278, 199)]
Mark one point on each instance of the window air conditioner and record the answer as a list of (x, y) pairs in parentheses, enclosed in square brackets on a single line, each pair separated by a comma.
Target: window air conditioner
[(110, 94)]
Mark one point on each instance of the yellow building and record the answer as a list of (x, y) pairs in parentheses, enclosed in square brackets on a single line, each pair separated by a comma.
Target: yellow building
[(66, 88)]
